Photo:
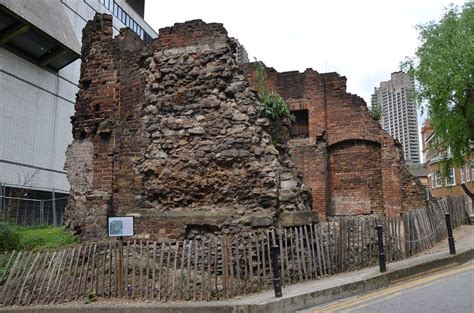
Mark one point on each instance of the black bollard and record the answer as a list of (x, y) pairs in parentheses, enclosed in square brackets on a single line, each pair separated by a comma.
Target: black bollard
[(383, 267), (274, 251), (452, 247)]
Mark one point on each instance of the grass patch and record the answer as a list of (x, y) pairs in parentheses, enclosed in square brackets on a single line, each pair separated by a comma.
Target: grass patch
[(34, 238), (44, 238)]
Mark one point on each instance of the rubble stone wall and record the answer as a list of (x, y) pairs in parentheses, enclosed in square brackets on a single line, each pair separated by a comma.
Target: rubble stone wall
[(173, 135)]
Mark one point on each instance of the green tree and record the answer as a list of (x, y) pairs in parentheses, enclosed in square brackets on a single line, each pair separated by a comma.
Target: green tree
[(443, 67)]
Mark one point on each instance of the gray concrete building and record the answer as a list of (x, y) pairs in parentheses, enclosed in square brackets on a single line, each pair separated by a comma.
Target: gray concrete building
[(399, 117), (40, 42), (241, 55)]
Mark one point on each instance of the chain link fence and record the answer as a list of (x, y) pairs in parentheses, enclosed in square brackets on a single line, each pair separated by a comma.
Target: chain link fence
[(28, 208)]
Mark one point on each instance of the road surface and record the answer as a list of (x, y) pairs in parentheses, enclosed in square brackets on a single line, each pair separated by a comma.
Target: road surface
[(446, 291)]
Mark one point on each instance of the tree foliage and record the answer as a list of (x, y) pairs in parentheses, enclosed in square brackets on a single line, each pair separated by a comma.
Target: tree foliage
[(443, 67)]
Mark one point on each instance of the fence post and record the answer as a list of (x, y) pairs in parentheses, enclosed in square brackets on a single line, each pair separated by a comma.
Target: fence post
[(41, 212), (274, 251), (2, 209), (53, 206), (382, 265), (452, 247)]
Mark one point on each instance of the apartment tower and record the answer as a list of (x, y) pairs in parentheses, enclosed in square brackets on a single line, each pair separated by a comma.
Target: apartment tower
[(398, 118)]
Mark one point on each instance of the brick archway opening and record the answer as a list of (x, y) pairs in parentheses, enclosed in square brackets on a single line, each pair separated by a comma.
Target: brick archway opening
[(354, 178)]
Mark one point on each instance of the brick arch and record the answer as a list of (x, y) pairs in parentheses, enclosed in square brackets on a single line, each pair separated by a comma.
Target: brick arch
[(337, 139), (354, 178)]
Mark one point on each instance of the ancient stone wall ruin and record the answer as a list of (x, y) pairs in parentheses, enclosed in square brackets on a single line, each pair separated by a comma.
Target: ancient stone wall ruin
[(351, 165), (172, 134)]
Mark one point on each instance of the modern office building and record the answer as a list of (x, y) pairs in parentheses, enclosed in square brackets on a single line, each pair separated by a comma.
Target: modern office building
[(399, 117), (40, 43)]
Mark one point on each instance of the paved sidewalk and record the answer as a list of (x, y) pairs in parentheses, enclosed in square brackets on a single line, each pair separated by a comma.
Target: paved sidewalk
[(299, 296)]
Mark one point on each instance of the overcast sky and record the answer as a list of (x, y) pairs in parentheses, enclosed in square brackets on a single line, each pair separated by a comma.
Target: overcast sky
[(364, 40)]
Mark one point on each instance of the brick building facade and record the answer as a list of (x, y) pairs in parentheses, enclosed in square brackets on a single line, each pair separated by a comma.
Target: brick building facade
[(439, 185)]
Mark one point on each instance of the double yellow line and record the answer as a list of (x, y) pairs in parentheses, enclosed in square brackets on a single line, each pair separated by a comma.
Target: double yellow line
[(360, 301)]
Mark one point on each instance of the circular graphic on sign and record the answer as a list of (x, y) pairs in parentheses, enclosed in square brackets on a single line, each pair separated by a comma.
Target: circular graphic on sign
[(116, 228)]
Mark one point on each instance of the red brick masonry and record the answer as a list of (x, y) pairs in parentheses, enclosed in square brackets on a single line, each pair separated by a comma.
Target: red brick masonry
[(351, 165)]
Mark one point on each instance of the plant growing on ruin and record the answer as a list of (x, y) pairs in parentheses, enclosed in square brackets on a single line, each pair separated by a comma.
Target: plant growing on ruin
[(108, 123), (375, 112), (272, 105)]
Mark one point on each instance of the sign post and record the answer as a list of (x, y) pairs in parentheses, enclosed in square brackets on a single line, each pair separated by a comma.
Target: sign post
[(120, 226)]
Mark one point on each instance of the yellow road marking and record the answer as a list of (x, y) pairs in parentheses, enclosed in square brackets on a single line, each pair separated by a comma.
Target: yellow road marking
[(390, 290), (363, 305)]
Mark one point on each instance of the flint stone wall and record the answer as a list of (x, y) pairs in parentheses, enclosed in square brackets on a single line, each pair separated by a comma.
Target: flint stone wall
[(172, 134)]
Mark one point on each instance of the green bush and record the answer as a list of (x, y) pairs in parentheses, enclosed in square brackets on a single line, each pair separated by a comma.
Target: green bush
[(9, 236)]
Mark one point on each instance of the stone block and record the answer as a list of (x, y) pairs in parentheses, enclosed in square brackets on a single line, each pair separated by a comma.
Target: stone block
[(289, 219)]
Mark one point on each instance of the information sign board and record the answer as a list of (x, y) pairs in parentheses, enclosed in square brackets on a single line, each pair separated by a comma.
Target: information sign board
[(120, 226)]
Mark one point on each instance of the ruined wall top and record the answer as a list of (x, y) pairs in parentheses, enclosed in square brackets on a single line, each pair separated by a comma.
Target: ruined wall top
[(195, 32)]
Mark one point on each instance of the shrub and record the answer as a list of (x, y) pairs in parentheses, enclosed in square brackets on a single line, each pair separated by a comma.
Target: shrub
[(9, 236)]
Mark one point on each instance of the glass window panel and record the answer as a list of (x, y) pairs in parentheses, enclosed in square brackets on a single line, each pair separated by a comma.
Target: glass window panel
[(450, 180), (472, 169)]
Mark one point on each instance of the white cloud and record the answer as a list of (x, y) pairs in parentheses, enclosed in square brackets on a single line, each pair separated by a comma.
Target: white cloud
[(362, 40)]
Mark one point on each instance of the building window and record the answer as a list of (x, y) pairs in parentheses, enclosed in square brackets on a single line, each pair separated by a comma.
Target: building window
[(437, 180), (462, 174), (451, 179), (119, 13), (300, 127), (472, 170), (467, 171)]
